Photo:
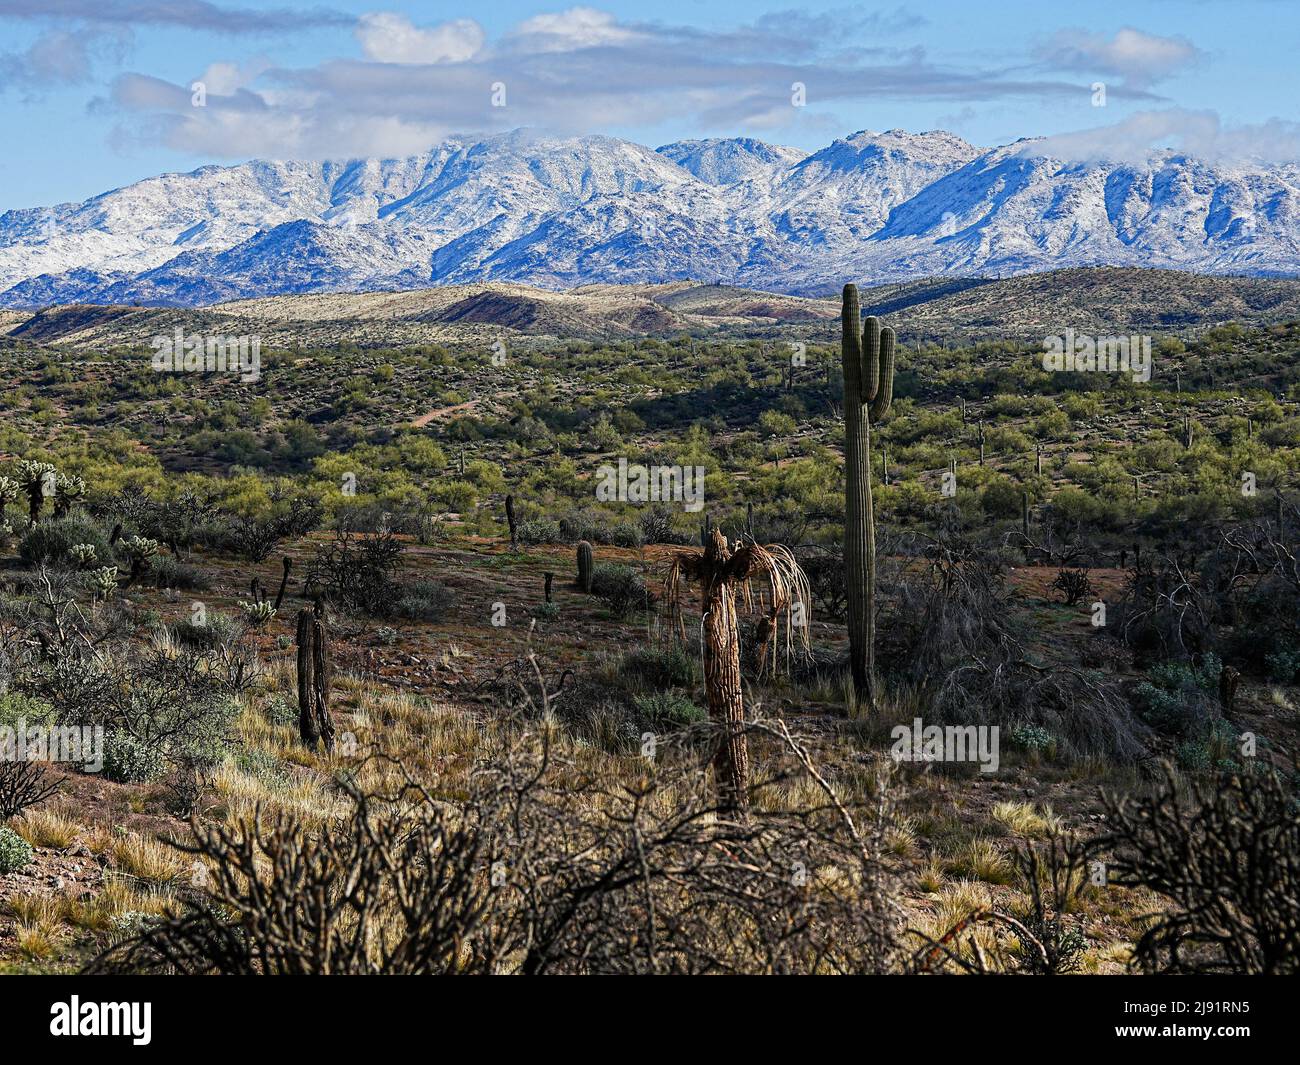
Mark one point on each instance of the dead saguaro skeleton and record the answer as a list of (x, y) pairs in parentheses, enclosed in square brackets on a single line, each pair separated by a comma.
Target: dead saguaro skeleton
[(284, 581), (315, 677), (510, 520), (726, 573)]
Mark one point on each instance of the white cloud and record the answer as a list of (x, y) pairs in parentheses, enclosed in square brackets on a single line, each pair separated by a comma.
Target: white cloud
[(60, 57), (226, 79), (1201, 134), (578, 27), (391, 38), (1136, 57), (580, 70), (189, 14)]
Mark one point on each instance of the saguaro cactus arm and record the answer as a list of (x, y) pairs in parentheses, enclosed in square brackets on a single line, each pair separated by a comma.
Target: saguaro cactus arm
[(882, 396)]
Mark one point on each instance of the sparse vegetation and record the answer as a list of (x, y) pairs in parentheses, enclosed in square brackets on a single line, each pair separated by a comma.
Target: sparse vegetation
[(158, 590)]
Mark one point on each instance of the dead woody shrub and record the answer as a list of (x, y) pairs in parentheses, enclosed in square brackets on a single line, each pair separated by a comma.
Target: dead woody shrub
[(537, 867), (1225, 856)]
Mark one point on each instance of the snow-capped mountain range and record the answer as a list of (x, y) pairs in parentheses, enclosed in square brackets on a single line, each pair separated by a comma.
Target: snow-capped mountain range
[(560, 212)]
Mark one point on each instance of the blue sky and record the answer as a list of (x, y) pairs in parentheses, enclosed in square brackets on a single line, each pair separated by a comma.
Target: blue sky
[(97, 93)]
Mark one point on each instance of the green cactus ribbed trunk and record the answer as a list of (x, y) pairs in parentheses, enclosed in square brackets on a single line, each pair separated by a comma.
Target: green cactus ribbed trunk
[(586, 565), (868, 353)]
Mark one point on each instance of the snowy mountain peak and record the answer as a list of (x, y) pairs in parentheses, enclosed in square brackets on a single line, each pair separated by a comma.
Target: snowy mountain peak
[(560, 211), (726, 161)]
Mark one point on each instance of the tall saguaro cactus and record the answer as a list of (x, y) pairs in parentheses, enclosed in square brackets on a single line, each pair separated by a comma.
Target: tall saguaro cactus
[(868, 352)]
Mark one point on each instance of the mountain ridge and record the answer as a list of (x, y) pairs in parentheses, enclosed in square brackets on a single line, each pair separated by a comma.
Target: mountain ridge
[(1096, 300), (560, 212)]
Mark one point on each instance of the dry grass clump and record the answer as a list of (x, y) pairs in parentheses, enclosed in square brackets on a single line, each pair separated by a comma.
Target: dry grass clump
[(533, 863), (47, 827), (1022, 819)]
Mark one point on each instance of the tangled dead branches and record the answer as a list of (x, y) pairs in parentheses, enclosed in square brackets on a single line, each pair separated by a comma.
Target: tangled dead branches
[(1226, 857), (537, 867), (959, 637)]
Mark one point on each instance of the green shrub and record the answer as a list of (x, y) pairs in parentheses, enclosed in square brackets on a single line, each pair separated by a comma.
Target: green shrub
[(203, 740), (665, 666), (1212, 749), (539, 531), (669, 710), (1033, 738), (423, 601), (280, 710), (1001, 498), (621, 588), (585, 524), (129, 924), (15, 852), (216, 630), (261, 764), (1283, 666), (17, 709), (167, 572), (546, 611), (1176, 699), (50, 542), (627, 534), (128, 760)]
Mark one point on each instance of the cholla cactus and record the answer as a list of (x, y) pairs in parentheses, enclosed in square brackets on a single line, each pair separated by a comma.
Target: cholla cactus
[(83, 555), (139, 549), (257, 613), (68, 492), (37, 480), (104, 582), (10, 492)]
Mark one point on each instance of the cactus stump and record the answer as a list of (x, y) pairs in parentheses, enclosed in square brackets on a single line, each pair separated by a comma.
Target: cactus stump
[(586, 565), (315, 676)]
